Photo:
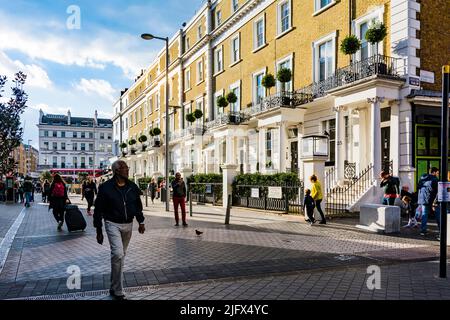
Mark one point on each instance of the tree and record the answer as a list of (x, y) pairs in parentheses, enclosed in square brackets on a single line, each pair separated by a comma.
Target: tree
[(46, 175), (376, 33), (222, 102), (190, 117), (350, 45), (10, 130), (284, 75), (156, 131), (268, 81), (198, 114), (123, 145)]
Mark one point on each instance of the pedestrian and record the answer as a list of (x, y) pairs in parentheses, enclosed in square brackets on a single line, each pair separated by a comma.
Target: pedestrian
[(316, 194), (21, 193), (33, 190), (89, 191), (45, 191), (152, 186), (118, 203), (162, 187), (2, 190), (27, 189), (391, 187), (428, 188), (309, 205), (58, 199), (406, 209), (16, 191), (179, 198)]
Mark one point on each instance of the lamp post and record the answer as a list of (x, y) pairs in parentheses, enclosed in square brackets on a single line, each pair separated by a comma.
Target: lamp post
[(28, 157), (147, 36)]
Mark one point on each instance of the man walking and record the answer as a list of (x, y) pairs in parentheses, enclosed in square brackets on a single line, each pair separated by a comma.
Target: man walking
[(391, 187), (27, 189), (428, 189), (118, 202), (179, 196)]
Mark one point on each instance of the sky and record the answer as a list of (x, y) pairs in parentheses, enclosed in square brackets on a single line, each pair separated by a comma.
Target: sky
[(78, 55)]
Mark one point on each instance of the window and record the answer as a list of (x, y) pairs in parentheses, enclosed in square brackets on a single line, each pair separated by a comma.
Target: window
[(218, 18), (55, 134), (75, 146), (188, 45), (126, 122), (91, 161), (102, 135), (187, 79), (285, 64), (63, 146), (218, 66), (199, 71), (91, 147), (83, 135), (330, 127), (45, 133), (268, 146), (55, 162), (236, 89), (157, 101), (135, 117), (199, 32), (284, 16), (83, 147), (63, 134), (360, 27), (83, 162), (109, 136), (200, 107), (235, 49), (63, 162), (55, 146), (320, 4), (259, 34), (75, 162), (364, 54), (46, 145), (150, 105), (235, 5), (258, 90), (324, 57), (217, 110)]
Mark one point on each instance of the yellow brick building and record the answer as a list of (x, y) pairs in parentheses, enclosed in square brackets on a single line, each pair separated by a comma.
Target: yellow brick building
[(367, 104)]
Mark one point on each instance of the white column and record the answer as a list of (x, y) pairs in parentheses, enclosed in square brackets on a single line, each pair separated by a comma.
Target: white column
[(283, 147), (262, 150), (375, 132), (229, 172), (299, 146), (340, 146), (394, 148), (230, 159)]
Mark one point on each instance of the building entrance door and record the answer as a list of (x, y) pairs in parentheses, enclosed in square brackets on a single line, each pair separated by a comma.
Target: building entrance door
[(294, 156), (385, 146)]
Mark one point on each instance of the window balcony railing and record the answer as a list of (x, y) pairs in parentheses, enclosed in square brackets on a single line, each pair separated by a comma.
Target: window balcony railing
[(233, 117), (284, 99)]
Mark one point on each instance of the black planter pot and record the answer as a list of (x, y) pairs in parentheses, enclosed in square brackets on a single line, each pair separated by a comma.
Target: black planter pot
[(285, 101), (157, 143), (381, 68)]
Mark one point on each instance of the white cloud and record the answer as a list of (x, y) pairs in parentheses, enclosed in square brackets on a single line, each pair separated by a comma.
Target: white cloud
[(36, 76), (97, 86), (47, 109)]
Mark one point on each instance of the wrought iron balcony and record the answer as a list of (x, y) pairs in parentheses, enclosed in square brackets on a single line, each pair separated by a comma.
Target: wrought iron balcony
[(195, 130), (284, 99), (233, 117), (376, 65)]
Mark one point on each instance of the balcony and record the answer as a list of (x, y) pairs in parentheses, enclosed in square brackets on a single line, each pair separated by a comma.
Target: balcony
[(372, 67), (285, 99), (233, 117), (194, 130)]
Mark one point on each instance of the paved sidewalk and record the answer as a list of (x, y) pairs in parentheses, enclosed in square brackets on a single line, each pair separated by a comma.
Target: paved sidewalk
[(255, 244)]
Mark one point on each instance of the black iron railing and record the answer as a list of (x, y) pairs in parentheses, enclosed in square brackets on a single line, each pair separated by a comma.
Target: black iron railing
[(330, 178), (285, 99), (340, 198), (290, 200), (376, 65), (350, 170), (233, 117), (203, 192)]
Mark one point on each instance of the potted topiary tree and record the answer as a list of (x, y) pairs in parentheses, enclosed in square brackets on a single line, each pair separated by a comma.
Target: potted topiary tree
[(142, 139), (284, 75), (222, 103), (190, 118), (132, 142), (375, 34), (156, 132), (123, 145), (349, 46), (198, 114), (232, 98), (268, 81)]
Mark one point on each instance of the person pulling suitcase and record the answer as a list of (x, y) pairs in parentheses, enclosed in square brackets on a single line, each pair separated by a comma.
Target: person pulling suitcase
[(58, 199)]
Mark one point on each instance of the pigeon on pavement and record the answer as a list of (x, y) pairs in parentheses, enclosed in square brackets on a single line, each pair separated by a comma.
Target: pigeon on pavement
[(197, 232)]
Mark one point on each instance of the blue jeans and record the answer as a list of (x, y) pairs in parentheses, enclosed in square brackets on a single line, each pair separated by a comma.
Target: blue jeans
[(388, 201), (426, 209), (27, 198)]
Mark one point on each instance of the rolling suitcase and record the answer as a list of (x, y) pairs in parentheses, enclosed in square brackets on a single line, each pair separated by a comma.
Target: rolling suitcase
[(74, 218)]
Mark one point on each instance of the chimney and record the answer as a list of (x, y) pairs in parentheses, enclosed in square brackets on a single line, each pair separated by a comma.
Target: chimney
[(41, 115), (69, 117), (95, 118)]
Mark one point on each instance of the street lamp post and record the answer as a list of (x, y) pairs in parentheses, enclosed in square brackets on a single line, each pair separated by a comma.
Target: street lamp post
[(147, 36), (28, 157)]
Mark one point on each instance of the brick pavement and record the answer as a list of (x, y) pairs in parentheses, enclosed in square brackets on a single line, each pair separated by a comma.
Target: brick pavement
[(255, 244)]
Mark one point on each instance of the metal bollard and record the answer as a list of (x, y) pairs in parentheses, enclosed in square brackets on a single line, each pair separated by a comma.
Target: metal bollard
[(190, 203), (146, 197), (227, 215)]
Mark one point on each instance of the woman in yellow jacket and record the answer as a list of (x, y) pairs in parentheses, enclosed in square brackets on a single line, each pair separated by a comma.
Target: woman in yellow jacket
[(316, 194)]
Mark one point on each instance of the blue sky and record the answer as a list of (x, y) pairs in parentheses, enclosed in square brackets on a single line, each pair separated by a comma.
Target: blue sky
[(82, 69)]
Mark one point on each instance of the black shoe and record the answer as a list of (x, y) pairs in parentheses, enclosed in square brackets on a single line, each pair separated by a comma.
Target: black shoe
[(185, 224), (176, 225), (323, 222), (116, 297)]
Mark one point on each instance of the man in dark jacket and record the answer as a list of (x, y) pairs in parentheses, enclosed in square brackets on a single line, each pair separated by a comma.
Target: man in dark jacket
[(179, 198), (428, 188), (118, 203), (27, 189), (391, 187)]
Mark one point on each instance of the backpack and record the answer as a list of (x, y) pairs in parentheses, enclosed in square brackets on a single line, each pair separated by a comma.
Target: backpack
[(58, 190)]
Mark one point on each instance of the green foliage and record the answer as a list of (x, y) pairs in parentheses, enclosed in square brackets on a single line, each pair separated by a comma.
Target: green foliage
[(142, 138), (190, 117), (206, 178), (222, 102), (284, 75), (46, 175), (231, 97), (268, 81), (82, 176), (123, 145), (350, 45), (156, 131), (132, 142), (198, 114), (376, 33)]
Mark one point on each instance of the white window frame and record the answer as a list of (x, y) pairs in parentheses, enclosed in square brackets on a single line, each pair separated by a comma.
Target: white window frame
[(254, 91), (218, 18), (234, 6), (237, 105), (218, 111), (158, 102), (200, 101), (280, 32), (315, 46), (187, 79), (200, 71), (289, 58), (188, 45), (255, 32), (377, 15), (318, 9), (150, 105), (233, 60), (216, 61), (199, 32)]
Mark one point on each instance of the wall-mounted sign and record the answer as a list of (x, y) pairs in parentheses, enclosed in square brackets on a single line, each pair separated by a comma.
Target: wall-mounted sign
[(255, 192), (414, 81), (208, 188), (426, 76), (275, 193), (444, 192)]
